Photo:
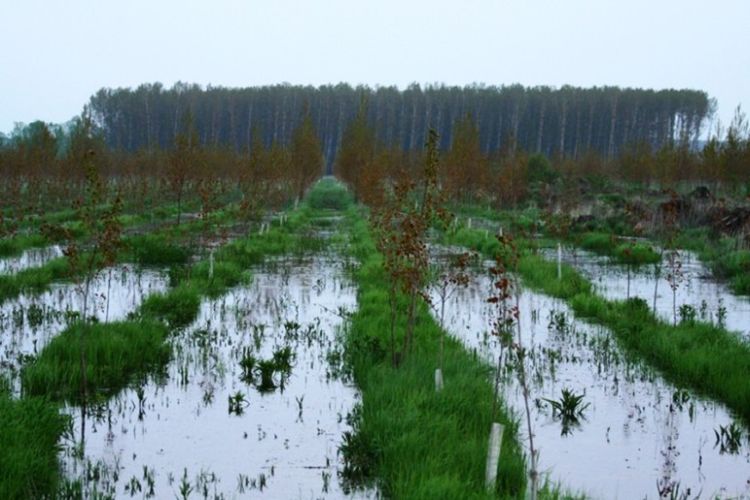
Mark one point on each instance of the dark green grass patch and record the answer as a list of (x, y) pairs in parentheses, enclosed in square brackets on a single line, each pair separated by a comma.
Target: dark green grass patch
[(601, 243), (178, 307), (155, 250), (17, 244), (33, 280), (330, 194), (633, 253), (115, 354), (30, 430)]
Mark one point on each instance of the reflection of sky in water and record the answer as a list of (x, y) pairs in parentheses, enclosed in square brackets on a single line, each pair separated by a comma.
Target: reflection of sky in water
[(629, 439), (33, 257), (697, 287), (185, 427), (124, 286)]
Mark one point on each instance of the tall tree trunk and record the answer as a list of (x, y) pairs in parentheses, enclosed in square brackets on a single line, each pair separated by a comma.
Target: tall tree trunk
[(612, 122), (541, 128), (563, 123)]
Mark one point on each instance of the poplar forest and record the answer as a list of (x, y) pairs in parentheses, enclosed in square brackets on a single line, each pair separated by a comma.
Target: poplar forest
[(336, 291)]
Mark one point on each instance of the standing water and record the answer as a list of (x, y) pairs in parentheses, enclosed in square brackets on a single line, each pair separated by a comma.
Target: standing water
[(638, 437), (711, 300), (33, 257), (228, 422), (29, 322)]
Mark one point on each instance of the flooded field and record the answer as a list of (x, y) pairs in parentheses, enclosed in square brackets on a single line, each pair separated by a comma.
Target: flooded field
[(710, 299), (250, 406), (29, 322), (33, 257), (638, 437)]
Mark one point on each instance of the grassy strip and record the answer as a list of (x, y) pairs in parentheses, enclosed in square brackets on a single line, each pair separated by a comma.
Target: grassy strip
[(19, 243), (721, 255), (155, 249), (180, 305), (33, 280), (619, 250), (16, 245), (30, 429), (416, 442), (115, 354), (700, 356)]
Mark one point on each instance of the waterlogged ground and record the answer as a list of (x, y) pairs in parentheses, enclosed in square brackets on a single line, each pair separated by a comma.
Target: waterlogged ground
[(638, 432), (210, 431), (711, 299), (33, 257), (29, 322)]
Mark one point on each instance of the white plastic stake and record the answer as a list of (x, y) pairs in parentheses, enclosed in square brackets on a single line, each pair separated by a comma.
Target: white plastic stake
[(493, 455), (211, 265), (468, 223), (559, 261), (438, 380)]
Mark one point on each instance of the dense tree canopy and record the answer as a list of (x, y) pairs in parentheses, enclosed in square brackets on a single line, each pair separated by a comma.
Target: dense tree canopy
[(568, 120)]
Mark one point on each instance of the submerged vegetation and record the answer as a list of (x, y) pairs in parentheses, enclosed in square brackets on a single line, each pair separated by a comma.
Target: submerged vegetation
[(203, 204), (702, 356)]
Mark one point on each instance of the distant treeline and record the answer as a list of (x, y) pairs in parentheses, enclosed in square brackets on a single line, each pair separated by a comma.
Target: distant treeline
[(569, 120)]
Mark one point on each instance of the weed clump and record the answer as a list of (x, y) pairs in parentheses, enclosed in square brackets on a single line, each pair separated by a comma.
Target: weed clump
[(115, 352), (30, 430), (156, 250), (329, 194), (178, 308)]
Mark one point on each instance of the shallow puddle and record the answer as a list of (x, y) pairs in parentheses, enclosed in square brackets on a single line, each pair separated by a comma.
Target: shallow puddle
[(29, 322), (638, 432), (33, 257), (711, 300), (210, 430)]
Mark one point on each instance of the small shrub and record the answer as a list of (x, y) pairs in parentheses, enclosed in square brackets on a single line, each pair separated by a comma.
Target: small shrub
[(154, 250), (178, 307), (329, 194)]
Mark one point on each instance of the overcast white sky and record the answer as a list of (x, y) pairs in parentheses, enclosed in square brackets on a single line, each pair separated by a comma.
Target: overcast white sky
[(55, 54)]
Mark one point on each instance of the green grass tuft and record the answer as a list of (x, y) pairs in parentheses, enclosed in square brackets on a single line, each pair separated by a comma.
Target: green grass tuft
[(155, 250), (115, 354), (30, 430), (178, 307), (329, 194)]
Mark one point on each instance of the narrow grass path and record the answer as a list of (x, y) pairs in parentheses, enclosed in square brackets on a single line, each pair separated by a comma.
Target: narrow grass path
[(703, 357), (412, 441)]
